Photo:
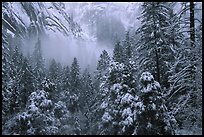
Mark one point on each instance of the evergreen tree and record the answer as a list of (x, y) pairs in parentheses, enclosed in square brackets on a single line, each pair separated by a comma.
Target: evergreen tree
[(5, 72), (103, 62), (53, 70), (66, 78), (153, 117), (26, 82), (75, 86), (16, 62), (38, 64), (13, 84), (75, 77), (100, 77), (37, 119), (41, 117), (87, 99), (184, 94), (50, 87), (102, 68), (154, 45), (127, 48), (120, 102), (118, 53), (55, 74), (59, 76), (174, 29), (88, 89)]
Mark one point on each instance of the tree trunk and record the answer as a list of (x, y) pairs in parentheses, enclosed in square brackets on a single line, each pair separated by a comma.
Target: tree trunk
[(156, 51), (157, 66), (192, 24)]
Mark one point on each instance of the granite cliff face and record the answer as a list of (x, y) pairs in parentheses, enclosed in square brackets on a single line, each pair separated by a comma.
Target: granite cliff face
[(36, 18)]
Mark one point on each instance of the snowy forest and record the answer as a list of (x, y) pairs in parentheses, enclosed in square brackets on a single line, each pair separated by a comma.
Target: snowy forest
[(102, 68)]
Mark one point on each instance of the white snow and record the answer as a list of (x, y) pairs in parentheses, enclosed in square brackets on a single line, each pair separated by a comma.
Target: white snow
[(23, 116), (124, 85), (146, 76), (32, 107), (116, 87), (149, 84), (147, 89), (106, 117), (19, 12), (139, 104), (127, 98), (9, 24), (149, 125), (116, 66), (104, 105), (152, 35), (156, 85), (9, 32), (153, 106), (127, 112), (128, 121), (46, 103)]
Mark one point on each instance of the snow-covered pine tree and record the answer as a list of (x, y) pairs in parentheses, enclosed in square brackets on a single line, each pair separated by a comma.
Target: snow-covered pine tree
[(118, 53), (59, 76), (75, 77), (41, 117), (55, 74), (38, 119), (153, 117), (13, 84), (52, 72), (99, 77), (87, 99), (38, 64), (5, 55), (66, 78), (26, 82), (102, 68), (154, 44), (120, 101), (16, 62), (75, 86), (175, 39), (48, 86), (88, 89), (103, 62), (64, 119), (185, 93), (127, 45), (5, 72), (174, 29)]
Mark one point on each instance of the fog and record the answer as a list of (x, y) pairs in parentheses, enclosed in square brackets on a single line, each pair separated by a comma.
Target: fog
[(101, 25), (64, 49)]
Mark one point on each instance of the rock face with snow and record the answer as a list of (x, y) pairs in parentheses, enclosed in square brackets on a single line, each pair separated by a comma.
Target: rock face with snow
[(76, 20), (35, 18), (105, 21)]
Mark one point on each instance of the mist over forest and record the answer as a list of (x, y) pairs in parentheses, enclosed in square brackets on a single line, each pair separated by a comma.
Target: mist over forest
[(97, 25), (101, 68)]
